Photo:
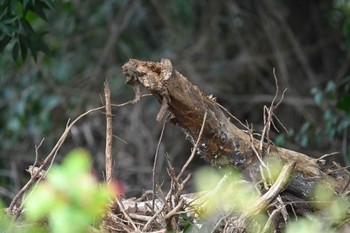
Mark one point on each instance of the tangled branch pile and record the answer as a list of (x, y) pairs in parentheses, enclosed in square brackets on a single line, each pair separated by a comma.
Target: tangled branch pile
[(284, 181)]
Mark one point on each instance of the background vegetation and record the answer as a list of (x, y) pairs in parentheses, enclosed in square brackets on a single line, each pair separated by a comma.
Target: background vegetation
[(55, 58)]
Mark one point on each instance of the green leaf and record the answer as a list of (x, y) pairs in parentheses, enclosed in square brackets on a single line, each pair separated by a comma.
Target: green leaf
[(42, 46), (9, 20), (41, 201), (38, 10), (70, 198), (26, 26), (67, 220), (9, 27), (206, 179), (304, 225), (24, 47), (305, 127), (219, 188), (344, 103), (77, 162), (13, 6), (15, 51), (45, 4), (304, 141), (50, 4), (280, 140), (4, 42), (3, 13), (318, 96), (25, 3), (346, 27), (344, 124), (35, 45), (330, 86), (33, 49)]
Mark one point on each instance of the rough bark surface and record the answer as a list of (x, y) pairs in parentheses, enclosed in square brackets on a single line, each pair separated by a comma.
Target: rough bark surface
[(222, 143)]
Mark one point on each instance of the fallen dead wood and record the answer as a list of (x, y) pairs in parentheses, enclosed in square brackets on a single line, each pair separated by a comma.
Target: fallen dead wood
[(222, 143)]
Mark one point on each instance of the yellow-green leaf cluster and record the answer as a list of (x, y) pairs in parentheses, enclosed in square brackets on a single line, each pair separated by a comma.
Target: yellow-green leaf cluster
[(70, 198), (224, 191)]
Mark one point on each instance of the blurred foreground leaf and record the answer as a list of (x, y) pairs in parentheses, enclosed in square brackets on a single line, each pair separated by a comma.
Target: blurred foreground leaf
[(70, 199)]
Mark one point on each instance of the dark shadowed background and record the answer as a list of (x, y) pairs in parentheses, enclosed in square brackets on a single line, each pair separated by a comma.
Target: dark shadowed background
[(227, 48)]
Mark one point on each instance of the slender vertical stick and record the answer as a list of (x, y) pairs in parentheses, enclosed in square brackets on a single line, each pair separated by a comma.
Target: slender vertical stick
[(109, 133), (155, 165)]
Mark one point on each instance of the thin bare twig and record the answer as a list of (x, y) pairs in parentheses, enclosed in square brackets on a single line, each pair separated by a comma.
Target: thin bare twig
[(163, 199), (37, 152), (219, 222), (254, 149), (344, 146), (326, 155), (175, 209), (345, 187), (155, 163), (279, 185), (231, 115), (51, 155), (182, 186), (148, 224), (271, 219), (33, 170), (194, 148), (109, 134), (129, 102), (270, 115), (267, 122), (339, 169), (174, 184), (120, 139), (122, 209)]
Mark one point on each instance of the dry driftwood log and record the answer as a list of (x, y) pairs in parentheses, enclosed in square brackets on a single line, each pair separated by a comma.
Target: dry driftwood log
[(222, 143)]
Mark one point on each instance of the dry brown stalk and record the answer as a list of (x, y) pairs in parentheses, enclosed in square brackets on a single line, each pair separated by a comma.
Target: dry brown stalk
[(109, 133)]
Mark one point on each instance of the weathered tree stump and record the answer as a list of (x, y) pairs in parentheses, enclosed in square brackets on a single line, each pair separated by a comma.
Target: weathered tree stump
[(222, 143)]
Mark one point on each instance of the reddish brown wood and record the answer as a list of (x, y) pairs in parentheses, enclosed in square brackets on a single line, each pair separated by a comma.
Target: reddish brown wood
[(222, 143)]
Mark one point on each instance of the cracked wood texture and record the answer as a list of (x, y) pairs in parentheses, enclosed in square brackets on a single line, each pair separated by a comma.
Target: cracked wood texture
[(222, 143)]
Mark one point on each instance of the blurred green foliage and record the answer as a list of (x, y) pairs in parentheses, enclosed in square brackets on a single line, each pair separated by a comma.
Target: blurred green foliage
[(222, 193), (335, 121), (223, 186), (333, 98), (7, 224), (333, 210), (25, 107), (70, 199), (336, 109), (340, 15), (74, 35), (228, 52), (17, 18)]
